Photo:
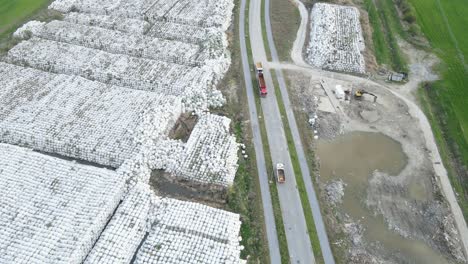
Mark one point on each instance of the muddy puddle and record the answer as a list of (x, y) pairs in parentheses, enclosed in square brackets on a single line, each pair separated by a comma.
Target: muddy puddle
[(353, 158)]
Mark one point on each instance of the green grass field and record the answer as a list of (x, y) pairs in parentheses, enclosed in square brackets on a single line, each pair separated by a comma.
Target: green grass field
[(383, 18), (444, 24), (14, 12)]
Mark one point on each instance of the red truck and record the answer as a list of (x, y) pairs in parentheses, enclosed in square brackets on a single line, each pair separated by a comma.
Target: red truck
[(261, 80)]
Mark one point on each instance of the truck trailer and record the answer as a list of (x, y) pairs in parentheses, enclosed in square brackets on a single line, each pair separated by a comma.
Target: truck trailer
[(261, 80)]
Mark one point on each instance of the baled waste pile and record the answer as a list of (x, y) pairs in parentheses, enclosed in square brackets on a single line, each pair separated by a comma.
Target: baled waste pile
[(336, 41), (105, 86), (58, 211), (52, 210)]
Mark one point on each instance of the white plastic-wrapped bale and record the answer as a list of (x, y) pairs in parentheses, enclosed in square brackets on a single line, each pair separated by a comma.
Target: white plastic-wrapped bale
[(210, 155), (52, 210), (125, 231), (185, 232), (193, 84), (89, 120), (336, 41), (122, 70), (118, 42), (181, 32), (211, 13), (28, 29), (122, 24), (20, 86)]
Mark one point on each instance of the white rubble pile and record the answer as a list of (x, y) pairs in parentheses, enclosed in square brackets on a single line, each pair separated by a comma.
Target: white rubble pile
[(186, 232), (336, 41), (210, 155), (86, 120), (52, 210)]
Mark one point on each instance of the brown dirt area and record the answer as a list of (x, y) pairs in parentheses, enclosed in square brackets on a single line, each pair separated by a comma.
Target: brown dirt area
[(428, 219)]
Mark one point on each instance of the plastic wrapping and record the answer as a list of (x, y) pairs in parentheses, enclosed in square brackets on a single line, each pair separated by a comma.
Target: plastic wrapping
[(336, 41)]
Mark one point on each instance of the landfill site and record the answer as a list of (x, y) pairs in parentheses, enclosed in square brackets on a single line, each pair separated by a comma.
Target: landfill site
[(89, 107), (381, 186), (112, 149)]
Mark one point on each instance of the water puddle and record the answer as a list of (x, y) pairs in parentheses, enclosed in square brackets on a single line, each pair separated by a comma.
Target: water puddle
[(353, 158)]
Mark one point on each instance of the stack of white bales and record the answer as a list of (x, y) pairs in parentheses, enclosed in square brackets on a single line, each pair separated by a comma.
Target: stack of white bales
[(127, 228), (127, 25), (52, 211), (210, 155), (118, 42), (185, 232), (336, 41), (86, 120)]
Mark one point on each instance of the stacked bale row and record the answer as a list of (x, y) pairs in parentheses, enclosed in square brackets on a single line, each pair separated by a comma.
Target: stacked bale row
[(127, 228), (78, 118), (117, 42), (122, 24), (210, 155), (52, 210), (336, 41), (185, 232)]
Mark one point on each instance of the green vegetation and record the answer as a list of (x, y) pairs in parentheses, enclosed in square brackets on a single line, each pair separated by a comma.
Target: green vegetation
[(14, 13), (244, 196), (444, 25), (433, 113), (264, 33), (385, 25), (312, 231), (285, 21), (281, 233)]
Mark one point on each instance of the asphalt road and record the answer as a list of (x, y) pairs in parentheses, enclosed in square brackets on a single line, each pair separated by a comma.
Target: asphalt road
[(258, 145), (311, 195), (299, 246)]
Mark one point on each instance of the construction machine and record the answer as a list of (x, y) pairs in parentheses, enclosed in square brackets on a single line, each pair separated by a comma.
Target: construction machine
[(359, 94)]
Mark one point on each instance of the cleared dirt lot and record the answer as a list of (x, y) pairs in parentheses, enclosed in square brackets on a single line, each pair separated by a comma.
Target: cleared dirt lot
[(393, 209)]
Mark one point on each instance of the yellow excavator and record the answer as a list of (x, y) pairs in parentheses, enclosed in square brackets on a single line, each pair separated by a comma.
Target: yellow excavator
[(359, 94)]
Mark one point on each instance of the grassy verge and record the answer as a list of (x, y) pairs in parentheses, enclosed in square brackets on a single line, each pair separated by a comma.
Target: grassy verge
[(283, 244), (386, 25), (378, 39), (444, 25), (433, 113), (285, 21), (14, 13), (299, 177), (264, 33), (244, 196)]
